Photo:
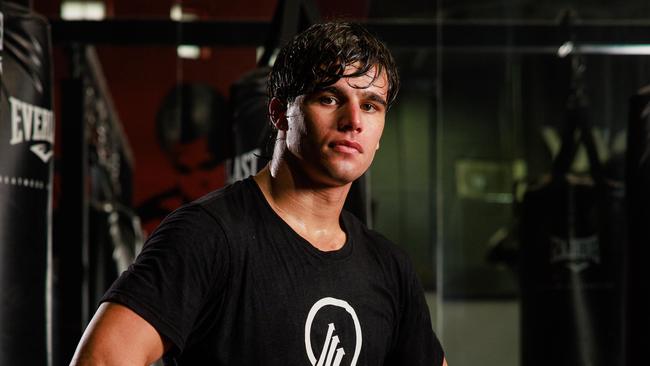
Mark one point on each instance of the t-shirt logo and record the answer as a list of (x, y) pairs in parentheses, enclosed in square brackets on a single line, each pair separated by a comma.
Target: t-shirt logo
[(332, 353)]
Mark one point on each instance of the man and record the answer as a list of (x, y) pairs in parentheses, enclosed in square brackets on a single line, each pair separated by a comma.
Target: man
[(270, 270)]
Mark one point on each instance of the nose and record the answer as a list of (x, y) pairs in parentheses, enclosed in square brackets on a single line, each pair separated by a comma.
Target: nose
[(350, 119)]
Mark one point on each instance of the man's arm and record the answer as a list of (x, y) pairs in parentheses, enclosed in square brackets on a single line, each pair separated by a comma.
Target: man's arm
[(118, 336)]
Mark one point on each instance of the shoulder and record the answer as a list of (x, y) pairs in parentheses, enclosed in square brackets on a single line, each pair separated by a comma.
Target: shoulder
[(231, 204), (187, 232), (187, 221), (217, 218), (210, 211), (203, 221)]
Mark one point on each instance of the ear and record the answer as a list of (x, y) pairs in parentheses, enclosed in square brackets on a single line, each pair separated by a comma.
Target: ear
[(377, 148), (278, 114)]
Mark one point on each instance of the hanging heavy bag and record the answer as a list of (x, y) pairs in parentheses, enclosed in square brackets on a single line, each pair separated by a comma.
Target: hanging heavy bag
[(638, 193), (26, 138), (572, 235), (252, 133)]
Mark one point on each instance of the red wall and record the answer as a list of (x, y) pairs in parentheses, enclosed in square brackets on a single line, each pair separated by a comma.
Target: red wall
[(139, 79)]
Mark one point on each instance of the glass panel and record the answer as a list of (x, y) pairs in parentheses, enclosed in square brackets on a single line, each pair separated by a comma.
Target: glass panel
[(403, 173), (502, 119), (480, 158)]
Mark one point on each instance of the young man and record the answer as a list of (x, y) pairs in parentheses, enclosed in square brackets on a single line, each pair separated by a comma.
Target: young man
[(271, 270)]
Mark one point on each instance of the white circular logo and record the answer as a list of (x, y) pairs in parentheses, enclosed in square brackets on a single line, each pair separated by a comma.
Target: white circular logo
[(331, 355)]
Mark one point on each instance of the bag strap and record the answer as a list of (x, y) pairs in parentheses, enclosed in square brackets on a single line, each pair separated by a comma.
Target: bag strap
[(577, 118), (290, 17)]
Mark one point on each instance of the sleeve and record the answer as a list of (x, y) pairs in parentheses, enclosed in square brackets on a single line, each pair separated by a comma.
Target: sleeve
[(416, 344), (182, 265)]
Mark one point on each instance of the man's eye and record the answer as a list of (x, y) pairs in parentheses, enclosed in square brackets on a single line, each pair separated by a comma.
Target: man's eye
[(326, 100), (368, 107)]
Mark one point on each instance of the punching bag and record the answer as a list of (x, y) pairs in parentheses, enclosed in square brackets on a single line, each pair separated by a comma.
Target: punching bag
[(638, 193), (572, 237), (26, 138), (253, 135)]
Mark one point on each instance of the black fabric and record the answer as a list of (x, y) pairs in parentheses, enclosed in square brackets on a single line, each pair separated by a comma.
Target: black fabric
[(230, 283)]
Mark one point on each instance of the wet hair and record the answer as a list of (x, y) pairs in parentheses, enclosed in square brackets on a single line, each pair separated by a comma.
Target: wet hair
[(318, 57)]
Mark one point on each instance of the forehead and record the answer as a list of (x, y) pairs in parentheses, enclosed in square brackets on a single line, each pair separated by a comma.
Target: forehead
[(370, 81)]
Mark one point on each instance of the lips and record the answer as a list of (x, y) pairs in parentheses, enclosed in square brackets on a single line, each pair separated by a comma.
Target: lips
[(346, 146)]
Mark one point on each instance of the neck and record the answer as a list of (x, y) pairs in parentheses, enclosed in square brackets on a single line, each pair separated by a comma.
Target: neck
[(310, 209)]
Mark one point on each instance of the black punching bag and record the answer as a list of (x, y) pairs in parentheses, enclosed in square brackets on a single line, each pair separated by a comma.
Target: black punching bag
[(26, 138), (253, 135), (573, 235), (638, 193)]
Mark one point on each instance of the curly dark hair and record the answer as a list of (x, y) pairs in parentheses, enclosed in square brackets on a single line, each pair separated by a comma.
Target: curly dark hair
[(318, 57)]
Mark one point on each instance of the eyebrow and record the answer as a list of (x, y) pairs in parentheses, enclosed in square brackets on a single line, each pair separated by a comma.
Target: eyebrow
[(366, 94), (375, 97)]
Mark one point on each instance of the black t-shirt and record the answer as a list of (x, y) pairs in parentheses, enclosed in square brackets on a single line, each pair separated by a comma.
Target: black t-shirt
[(228, 282)]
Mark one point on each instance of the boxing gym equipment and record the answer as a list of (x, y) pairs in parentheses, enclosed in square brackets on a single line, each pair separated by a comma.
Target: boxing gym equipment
[(191, 111), (253, 134), (572, 239), (115, 236), (638, 200), (97, 233), (26, 147)]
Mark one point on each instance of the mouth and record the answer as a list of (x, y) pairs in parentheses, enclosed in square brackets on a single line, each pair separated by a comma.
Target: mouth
[(346, 146)]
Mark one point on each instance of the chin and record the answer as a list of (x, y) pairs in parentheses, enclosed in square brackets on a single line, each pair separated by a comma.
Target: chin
[(336, 173), (343, 177)]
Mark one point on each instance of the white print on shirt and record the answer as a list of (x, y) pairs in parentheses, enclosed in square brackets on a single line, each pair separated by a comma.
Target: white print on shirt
[(330, 354)]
